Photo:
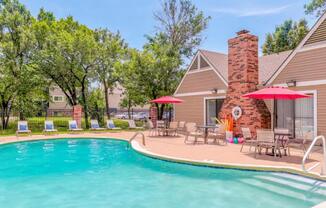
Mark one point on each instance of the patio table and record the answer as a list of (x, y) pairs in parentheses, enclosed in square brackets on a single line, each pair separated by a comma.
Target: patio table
[(205, 128), (282, 139)]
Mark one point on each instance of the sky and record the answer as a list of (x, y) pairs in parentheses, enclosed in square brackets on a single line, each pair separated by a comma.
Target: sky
[(134, 18)]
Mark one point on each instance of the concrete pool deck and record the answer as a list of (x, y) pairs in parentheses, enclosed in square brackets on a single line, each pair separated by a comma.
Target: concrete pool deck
[(174, 149)]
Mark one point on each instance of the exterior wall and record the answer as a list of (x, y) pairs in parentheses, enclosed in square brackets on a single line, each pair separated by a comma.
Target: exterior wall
[(201, 81), (56, 91), (319, 35), (192, 109), (305, 66)]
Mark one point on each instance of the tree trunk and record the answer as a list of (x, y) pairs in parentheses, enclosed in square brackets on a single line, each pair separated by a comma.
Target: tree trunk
[(129, 107), (107, 105), (162, 111), (85, 106)]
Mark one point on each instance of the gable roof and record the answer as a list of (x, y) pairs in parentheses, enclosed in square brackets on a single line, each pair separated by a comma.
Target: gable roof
[(267, 64), (304, 43)]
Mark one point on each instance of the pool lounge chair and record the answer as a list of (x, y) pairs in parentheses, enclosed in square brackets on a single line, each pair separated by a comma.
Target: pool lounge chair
[(22, 127), (132, 125), (152, 131), (73, 126), (110, 125), (218, 134), (95, 126), (181, 127), (49, 127)]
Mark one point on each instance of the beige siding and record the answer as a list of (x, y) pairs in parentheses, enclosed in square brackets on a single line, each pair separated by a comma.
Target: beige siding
[(201, 81), (56, 91), (319, 35), (305, 66), (192, 109)]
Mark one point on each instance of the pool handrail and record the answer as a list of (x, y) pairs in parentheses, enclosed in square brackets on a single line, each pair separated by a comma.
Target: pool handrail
[(322, 163), (135, 135)]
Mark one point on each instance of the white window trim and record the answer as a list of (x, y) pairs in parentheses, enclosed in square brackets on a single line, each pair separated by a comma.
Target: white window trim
[(56, 101), (194, 71), (204, 105), (315, 94)]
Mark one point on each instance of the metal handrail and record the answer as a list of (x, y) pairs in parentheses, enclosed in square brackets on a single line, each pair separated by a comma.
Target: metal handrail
[(135, 135), (305, 157)]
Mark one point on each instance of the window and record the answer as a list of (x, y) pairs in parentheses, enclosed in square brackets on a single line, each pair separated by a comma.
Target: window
[(296, 115), (57, 98), (212, 109)]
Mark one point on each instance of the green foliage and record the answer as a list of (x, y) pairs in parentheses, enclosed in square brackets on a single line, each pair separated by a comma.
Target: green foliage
[(285, 37), (316, 6), (182, 24), (111, 52), (96, 105)]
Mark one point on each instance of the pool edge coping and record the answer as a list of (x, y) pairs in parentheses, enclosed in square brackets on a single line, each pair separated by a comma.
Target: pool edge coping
[(266, 168)]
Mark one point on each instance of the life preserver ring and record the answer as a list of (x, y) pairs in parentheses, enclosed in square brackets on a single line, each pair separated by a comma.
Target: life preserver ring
[(236, 112)]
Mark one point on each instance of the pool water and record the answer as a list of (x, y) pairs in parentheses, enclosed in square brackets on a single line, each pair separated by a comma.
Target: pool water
[(95, 173)]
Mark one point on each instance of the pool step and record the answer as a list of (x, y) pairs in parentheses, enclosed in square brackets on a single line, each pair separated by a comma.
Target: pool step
[(301, 179), (291, 183), (278, 189)]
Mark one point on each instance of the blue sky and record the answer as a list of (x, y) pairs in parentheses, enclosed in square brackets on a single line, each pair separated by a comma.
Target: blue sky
[(134, 18)]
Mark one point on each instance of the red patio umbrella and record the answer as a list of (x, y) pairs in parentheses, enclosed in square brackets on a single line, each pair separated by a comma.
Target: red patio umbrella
[(166, 100), (276, 93)]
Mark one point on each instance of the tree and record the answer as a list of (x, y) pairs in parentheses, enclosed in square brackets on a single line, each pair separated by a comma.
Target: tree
[(66, 55), (316, 6), (96, 105), (285, 37), (18, 79), (111, 51), (182, 23)]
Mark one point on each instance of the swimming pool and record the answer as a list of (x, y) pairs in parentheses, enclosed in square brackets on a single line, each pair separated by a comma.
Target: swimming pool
[(106, 173)]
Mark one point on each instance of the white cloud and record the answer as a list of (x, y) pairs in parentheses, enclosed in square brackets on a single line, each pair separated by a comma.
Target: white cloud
[(250, 12)]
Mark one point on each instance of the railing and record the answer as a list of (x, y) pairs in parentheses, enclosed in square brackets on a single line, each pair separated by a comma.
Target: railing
[(135, 135), (322, 163)]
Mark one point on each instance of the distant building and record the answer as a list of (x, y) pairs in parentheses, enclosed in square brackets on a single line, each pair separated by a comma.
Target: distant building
[(59, 106)]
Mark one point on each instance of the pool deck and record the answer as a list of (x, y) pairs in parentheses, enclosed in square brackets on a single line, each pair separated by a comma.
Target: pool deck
[(174, 149)]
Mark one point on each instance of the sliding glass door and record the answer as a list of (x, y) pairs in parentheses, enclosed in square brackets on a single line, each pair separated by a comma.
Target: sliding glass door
[(296, 115), (212, 109)]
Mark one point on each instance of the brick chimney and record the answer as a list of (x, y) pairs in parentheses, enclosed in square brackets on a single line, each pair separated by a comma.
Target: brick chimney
[(243, 78)]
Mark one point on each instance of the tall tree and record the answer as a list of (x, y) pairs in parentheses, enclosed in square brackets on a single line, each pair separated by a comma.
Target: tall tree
[(182, 23), (18, 78), (67, 54), (316, 6), (111, 51), (285, 37)]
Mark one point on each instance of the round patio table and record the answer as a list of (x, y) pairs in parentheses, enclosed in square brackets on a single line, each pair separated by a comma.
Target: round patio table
[(205, 128)]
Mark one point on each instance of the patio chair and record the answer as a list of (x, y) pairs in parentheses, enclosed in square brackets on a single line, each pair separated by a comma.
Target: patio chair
[(283, 141), (73, 126), (248, 139), (49, 127), (22, 127), (266, 140), (161, 127), (151, 128), (181, 127), (110, 125), (132, 125), (300, 143), (173, 127), (192, 131), (218, 134), (95, 126)]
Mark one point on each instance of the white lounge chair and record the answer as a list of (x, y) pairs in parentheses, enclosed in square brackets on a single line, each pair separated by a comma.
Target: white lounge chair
[(73, 126), (95, 126), (23, 128), (110, 125), (132, 125), (192, 131), (49, 127)]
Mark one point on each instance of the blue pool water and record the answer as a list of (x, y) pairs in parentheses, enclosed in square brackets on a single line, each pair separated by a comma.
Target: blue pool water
[(95, 173)]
